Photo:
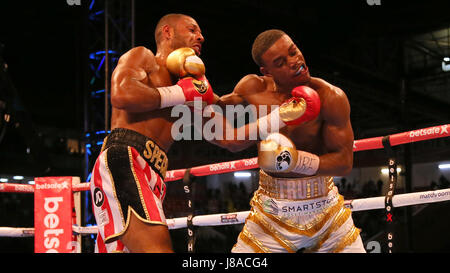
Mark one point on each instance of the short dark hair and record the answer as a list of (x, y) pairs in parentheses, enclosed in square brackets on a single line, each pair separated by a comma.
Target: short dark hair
[(169, 19), (263, 42)]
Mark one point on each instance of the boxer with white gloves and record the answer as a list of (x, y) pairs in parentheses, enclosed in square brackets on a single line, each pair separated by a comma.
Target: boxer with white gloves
[(296, 207), (277, 154)]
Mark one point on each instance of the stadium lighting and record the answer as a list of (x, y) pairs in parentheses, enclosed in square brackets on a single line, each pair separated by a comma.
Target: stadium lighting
[(242, 174)]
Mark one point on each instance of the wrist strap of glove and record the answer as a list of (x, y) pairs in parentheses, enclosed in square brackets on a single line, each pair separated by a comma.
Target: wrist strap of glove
[(171, 95), (307, 163)]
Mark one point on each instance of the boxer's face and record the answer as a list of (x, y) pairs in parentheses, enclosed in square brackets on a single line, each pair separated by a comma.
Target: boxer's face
[(285, 63), (187, 33)]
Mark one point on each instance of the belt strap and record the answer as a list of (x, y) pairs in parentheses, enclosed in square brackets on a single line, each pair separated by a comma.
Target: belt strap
[(295, 188), (147, 148)]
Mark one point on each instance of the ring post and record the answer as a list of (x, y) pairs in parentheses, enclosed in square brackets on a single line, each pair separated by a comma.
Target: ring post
[(392, 169), (187, 181)]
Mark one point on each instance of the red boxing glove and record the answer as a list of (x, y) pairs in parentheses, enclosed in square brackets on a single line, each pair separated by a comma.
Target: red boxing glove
[(302, 107), (196, 88)]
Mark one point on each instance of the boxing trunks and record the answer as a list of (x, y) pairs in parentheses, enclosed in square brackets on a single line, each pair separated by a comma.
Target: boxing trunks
[(127, 178), (298, 214)]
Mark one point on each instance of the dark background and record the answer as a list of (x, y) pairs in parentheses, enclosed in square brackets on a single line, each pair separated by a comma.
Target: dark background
[(387, 58)]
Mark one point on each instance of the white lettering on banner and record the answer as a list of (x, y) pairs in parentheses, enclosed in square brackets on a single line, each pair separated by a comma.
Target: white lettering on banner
[(222, 166), (430, 131), (170, 174), (22, 188), (250, 162), (45, 186), (53, 201), (297, 208), (51, 221)]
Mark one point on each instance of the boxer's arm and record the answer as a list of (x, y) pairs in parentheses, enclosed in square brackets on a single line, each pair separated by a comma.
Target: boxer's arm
[(230, 99), (230, 138), (130, 85), (247, 86), (337, 134)]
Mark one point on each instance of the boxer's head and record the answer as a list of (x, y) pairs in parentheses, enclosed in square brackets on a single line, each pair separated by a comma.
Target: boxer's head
[(178, 30), (278, 56)]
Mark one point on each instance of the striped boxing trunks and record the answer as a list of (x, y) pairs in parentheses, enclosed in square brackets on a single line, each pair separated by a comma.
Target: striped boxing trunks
[(298, 214), (127, 178)]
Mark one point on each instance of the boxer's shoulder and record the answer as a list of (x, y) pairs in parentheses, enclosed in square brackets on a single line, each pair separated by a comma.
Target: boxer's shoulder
[(251, 84), (326, 90), (140, 51), (319, 84), (334, 101), (138, 56)]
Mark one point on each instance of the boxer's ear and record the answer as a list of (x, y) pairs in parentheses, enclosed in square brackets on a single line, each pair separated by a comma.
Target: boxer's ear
[(167, 32), (264, 71)]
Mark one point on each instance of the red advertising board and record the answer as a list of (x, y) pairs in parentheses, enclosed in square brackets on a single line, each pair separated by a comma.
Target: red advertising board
[(53, 215)]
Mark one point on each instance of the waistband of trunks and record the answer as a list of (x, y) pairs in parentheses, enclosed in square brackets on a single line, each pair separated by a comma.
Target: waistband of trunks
[(295, 188), (147, 148)]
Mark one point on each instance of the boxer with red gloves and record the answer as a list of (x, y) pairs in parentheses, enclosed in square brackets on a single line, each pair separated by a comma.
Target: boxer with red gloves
[(296, 206), (193, 84), (127, 183)]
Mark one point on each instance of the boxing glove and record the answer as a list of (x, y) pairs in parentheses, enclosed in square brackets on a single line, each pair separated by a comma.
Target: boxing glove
[(183, 62), (302, 107), (278, 154), (196, 89), (193, 84)]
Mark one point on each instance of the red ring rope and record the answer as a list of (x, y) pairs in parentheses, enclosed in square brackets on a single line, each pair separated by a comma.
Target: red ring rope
[(439, 131)]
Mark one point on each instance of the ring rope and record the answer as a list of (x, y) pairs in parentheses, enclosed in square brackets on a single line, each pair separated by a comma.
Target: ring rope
[(398, 200), (439, 131)]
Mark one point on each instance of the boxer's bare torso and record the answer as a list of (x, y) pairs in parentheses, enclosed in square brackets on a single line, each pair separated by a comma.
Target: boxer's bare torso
[(330, 132), (139, 111), (136, 105), (330, 135)]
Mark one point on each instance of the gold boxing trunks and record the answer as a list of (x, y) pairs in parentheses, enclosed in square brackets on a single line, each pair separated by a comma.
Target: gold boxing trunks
[(298, 214)]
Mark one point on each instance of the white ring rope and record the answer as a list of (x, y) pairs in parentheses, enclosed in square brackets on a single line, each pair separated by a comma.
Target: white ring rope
[(16, 232), (399, 200)]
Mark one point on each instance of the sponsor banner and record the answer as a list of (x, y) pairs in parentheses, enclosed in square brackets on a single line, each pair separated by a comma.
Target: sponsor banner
[(224, 167), (421, 134), (10, 187), (174, 175), (422, 197), (284, 208), (358, 145), (402, 138), (53, 215), (218, 168)]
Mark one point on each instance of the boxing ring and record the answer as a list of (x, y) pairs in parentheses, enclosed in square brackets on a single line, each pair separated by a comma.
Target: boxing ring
[(58, 211)]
